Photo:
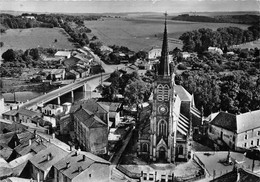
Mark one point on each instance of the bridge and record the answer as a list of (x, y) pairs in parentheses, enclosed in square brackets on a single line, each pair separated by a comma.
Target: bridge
[(68, 91)]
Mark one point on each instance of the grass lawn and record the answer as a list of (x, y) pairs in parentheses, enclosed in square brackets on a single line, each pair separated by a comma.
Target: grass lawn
[(143, 34), (34, 37)]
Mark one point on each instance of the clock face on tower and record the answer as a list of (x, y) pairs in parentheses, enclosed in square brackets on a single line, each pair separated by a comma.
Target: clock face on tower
[(163, 109)]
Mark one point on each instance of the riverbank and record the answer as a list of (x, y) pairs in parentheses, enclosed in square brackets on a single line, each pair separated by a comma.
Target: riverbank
[(17, 85)]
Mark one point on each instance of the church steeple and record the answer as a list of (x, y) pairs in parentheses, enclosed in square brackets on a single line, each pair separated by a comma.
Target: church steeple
[(164, 69)]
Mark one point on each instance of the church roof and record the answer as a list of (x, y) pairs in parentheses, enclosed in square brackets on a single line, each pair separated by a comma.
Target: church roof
[(182, 93), (164, 68)]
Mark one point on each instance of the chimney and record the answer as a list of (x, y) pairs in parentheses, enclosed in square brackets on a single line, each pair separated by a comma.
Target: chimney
[(53, 136), (84, 157), (238, 176), (70, 148), (67, 165), (49, 157), (80, 169), (35, 133), (30, 142)]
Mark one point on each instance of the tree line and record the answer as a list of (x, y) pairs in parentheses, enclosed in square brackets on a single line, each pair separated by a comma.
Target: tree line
[(227, 83), (199, 40)]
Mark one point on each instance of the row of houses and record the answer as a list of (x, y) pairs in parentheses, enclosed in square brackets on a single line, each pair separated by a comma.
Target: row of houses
[(33, 156)]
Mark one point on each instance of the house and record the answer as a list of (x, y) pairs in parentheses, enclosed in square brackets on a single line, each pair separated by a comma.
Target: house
[(63, 54), (99, 109), (239, 132), (33, 146), (104, 48), (58, 74), (215, 50), (9, 139), (218, 163), (115, 112), (83, 72), (52, 109), (41, 164), (81, 166), (154, 53), (238, 175), (185, 55), (25, 115), (91, 131), (75, 73), (14, 126), (66, 124), (11, 115)]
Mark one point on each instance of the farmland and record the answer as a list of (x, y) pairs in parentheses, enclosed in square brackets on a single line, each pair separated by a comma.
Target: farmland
[(34, 37), (142, 33)]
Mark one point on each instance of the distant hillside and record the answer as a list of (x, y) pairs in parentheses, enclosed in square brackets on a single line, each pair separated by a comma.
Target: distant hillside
[(241, 18)]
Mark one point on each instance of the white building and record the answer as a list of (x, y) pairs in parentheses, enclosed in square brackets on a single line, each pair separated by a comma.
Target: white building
[(185, 55), (63, 54), (154, 53), (215, 50), (239, 132)]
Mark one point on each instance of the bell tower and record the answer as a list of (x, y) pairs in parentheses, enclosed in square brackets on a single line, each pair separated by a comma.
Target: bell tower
[(163, 120)]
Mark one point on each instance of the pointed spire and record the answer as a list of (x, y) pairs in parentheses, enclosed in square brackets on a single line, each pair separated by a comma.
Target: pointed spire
[(164, 60)]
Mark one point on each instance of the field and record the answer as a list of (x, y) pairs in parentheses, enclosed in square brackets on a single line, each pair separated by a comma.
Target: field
[(34, 37), (143, 33), (249, 45)]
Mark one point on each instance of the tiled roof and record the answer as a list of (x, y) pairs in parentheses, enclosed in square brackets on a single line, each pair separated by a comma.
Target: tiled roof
[(77, 163), (15, 126), (7, 137), (226, 121), (25, 136), (5, 152), (11, 112), (20, 160), (41, 161), (88, 118), (27, 112), (36, 146), (182, 93), (248, 121), (232, 176), (237, 123), (113, 106)]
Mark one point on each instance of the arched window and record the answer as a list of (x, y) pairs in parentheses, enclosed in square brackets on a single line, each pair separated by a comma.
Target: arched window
[(162, 128), (145, 147), (160, 92), (163, 92), (166, 92)]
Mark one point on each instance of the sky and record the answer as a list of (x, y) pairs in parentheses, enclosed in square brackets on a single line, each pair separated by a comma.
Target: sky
[(116, 6)]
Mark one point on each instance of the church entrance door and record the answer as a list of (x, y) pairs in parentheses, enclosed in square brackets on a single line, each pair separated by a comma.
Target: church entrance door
[(162, 154)]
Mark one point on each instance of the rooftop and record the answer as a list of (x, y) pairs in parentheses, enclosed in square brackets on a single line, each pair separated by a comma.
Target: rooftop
[(244, 176), (76, 162), (62, 53), (27, 112), (182, 93), (88, 118), (46, 158), (218, 159), (237, 123)]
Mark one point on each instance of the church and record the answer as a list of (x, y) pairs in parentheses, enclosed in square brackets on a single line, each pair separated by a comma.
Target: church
[(166, 137)]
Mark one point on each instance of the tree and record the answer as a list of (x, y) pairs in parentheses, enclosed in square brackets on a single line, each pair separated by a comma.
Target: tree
[(136, 92), (9, 55)]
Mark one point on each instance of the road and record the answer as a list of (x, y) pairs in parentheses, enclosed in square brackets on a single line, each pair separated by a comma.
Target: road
[(92, 81)]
